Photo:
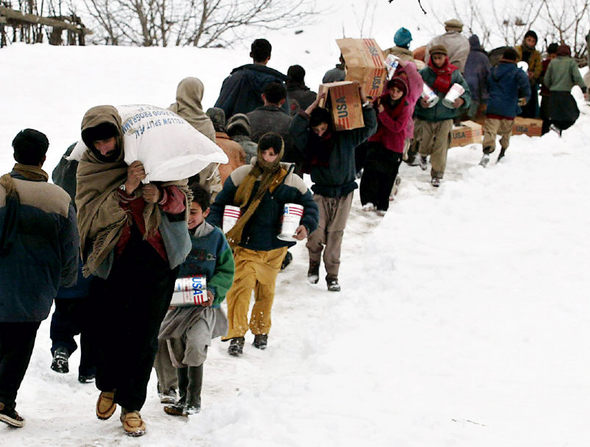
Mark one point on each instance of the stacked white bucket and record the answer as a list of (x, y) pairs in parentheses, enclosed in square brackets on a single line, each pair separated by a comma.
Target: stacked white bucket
[(454, 92), (292, 214), (191, 291), (231, 214)]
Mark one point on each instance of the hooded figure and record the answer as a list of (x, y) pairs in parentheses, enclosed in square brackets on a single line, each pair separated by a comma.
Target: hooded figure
[(133, 238), (238, 129), (476, 74), (189, 95)]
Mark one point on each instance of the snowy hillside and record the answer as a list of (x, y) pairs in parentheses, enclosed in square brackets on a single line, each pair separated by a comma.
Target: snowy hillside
[(463, 318)]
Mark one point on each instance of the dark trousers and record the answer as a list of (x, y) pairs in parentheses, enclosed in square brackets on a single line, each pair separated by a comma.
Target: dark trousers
[(544, 114), (16, 346), (128, 308), (381, 168), (531, 109), (70, 318)]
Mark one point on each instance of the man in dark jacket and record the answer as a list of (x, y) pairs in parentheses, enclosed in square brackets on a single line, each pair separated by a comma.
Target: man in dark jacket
[(71, 314), (270, 117), (477, 69), (38, 252), (508, 86), (299, 95), (330, 155), (241, 90)]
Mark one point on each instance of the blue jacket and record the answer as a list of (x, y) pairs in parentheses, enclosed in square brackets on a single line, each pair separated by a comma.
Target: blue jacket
[(260, 233), (507, 83), (241, 90), (477, 69), (337, 179), (44, 253)]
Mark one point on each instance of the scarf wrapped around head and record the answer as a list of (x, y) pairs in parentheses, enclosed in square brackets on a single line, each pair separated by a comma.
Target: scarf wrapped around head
[(442, 83), (100, 217), (189, 95), (269, 174)]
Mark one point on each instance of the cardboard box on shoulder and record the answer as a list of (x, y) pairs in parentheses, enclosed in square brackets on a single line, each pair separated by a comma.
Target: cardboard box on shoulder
[(365, 63), (469, 132), (344, 103), (527, 126)]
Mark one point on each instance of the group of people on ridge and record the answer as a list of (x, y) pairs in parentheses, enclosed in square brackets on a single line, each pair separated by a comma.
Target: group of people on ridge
[(108, 248)]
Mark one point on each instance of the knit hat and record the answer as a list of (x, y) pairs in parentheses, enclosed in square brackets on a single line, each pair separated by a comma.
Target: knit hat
[(30, 146), (398, 83), (510, 54), (217, 116), (438, 49), (103, 131), (402, 38), (531, 33), (564, 50), (238, 124), (454, 24)]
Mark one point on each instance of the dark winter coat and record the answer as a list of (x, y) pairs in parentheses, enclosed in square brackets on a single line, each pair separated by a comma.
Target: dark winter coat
[(45, 250), (268, 119), (300, 97), (477, 69), (506, 84), (241, 90), (337, 179), (260, 233)]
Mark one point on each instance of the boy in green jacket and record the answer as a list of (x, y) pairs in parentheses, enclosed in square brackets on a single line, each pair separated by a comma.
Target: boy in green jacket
[(433, 125)]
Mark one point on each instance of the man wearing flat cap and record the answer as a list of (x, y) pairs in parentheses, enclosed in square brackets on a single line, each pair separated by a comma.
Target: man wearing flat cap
[(457, 44), (38, 254)]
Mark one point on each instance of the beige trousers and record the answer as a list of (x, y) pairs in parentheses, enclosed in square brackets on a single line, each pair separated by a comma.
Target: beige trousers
[(435, 138), (493, 127)]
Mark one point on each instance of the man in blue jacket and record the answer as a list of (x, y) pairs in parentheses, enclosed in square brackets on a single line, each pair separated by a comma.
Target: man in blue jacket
[(39, 248), (508, 87), (241, 91)]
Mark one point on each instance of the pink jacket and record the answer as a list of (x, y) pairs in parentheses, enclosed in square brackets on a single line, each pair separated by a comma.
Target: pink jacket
[(415, 85), (392, 123)]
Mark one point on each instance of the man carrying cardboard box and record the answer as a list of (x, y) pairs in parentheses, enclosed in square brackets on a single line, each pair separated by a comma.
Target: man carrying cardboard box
[(329, 156)]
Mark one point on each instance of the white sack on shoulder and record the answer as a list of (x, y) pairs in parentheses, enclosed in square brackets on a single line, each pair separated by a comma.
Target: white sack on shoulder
[(167, 145)]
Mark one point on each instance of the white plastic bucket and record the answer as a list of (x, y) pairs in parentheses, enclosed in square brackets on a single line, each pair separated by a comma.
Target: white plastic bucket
[(292, 214), (231, 214), (190, 291), (454, 92), (429, 96)]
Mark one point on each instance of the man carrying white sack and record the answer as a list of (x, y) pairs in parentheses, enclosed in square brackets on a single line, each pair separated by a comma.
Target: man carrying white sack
[(133, 238)]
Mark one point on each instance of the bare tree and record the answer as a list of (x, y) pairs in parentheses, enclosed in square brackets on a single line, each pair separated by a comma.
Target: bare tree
[(201, 23), (568, 22)]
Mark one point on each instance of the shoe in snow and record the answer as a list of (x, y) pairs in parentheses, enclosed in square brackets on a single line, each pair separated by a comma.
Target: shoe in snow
[(368, 207), (484, 160), (423, 162), (435, 182), (132, 423), (168, 396), (332, 283), (260, 341), (60, 361), (175, 410), (89, 378), (313, 274), (11, 417), (380, 213), (236, 346), (501, 156), (395, 188), (192, 409), (555, 129), (286, 260), (105, 405)]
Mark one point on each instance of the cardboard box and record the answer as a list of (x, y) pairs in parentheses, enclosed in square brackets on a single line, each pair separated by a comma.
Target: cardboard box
[(365, 63), (527, 126), (344, 101), (469, 132)]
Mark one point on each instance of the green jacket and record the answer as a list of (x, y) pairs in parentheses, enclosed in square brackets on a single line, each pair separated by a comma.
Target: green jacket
[(441, 112), (562, 74)]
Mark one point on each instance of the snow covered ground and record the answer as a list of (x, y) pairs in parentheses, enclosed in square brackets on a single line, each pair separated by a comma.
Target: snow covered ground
[(463, 318)]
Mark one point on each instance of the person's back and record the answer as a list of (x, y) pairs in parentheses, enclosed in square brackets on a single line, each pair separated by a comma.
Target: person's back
[(506, 83), (562, 74), (241, 90), (477, 69), (456, 44), (238, 129), (270, 117), (299, 95), (39, 245)]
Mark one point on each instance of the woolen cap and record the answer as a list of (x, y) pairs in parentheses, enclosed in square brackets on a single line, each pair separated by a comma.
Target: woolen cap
[(30, 146), (454, 24), (402, 38), (438, 49)]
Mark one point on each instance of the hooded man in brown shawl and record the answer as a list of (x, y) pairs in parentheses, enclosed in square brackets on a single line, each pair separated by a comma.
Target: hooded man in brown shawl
[(133, 237)]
